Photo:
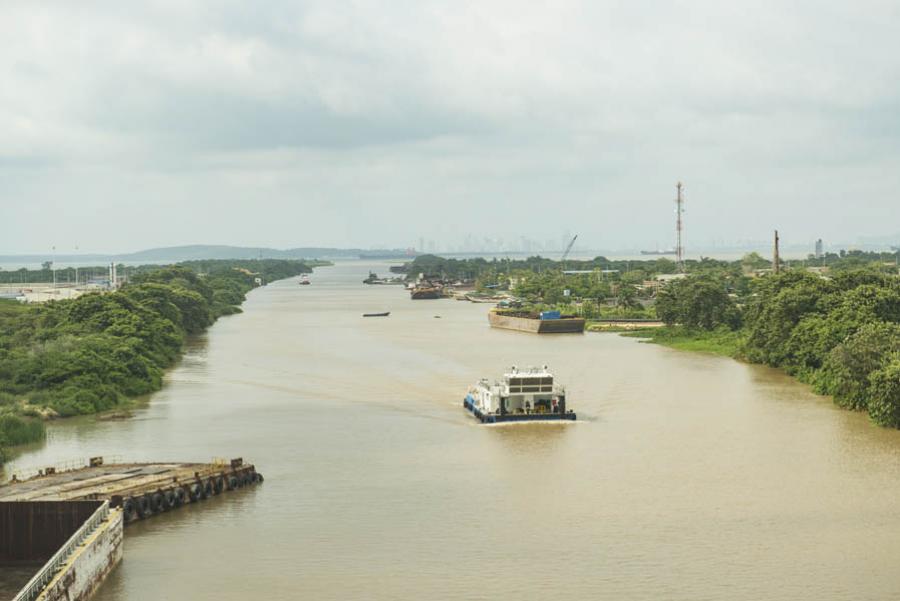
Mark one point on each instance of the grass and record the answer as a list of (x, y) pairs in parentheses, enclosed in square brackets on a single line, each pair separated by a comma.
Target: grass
[(721, 341)]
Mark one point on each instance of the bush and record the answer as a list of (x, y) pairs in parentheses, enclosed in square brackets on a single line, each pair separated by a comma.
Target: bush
[(15, 430), (884, 402)]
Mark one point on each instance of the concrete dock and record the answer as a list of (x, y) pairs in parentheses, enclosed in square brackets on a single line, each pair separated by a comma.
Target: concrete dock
[(140, 489), (61, 530)]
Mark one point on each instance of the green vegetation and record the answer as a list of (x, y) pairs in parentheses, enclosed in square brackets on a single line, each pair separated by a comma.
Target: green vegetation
[(90, 354), (840, 334), (700, 303), (720, 341)]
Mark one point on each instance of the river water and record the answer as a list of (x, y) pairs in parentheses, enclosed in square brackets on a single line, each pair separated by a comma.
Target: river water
[(686, 477)]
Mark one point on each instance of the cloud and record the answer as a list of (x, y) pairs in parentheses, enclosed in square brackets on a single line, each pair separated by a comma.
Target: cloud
[(447, 119)]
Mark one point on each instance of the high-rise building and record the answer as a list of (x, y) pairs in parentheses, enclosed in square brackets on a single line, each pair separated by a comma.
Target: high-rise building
[(819, 249)]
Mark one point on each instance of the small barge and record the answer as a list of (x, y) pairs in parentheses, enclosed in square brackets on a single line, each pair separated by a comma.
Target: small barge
[(521, 396), (544, 322), (374, 279), (421, 292)]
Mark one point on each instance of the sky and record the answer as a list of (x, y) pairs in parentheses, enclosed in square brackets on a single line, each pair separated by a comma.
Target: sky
[(129, 125)]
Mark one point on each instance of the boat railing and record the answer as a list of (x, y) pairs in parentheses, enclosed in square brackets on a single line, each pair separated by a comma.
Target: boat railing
[(39, 582)]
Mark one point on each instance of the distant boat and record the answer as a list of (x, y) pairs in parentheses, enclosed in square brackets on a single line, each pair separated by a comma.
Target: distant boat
[(385, 314), (304, 280)]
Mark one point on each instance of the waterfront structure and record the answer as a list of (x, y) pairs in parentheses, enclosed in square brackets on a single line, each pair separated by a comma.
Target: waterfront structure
[(72, 519), (546, 322), (140, 489), (521, 396)]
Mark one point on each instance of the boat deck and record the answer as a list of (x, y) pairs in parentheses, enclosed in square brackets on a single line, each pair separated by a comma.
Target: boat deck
[(493, 418)]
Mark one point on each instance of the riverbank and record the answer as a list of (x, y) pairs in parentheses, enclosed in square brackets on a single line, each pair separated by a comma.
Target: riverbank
[(96, 353), (722, 341)]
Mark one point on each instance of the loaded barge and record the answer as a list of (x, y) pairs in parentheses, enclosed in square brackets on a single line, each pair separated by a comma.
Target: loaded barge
[(521, 396), (544, 322)]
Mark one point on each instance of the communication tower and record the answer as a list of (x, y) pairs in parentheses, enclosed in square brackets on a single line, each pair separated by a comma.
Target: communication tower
[(679, 227)]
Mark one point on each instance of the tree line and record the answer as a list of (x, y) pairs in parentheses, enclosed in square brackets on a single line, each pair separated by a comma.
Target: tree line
[(89, 354), (841, 334)]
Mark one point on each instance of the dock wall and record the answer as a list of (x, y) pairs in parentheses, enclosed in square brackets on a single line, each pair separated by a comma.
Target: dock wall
[(77, 542), (90, 563), (32, 531)]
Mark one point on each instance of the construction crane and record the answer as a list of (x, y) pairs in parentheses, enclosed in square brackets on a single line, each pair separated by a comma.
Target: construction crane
[(568, 249)]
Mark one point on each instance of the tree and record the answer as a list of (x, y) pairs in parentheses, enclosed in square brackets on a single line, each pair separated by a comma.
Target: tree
[(697, 302), (753, 261), (847, 368), (884, 404)]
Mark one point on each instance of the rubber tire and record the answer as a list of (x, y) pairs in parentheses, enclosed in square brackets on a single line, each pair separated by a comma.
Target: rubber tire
[(145, 506), (159, 502), (180, 496), (130, 509), (196, 493)]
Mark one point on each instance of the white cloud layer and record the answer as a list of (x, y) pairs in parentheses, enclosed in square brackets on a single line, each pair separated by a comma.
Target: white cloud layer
[(128, 125)]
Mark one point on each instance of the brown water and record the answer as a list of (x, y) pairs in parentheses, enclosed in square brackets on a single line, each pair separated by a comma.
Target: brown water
[(686, 477)]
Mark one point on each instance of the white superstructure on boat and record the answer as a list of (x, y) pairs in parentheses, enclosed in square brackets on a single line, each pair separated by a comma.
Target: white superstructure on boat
[(522, 395)]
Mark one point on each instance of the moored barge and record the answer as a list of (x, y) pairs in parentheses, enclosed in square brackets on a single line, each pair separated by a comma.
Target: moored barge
[(545, 322)]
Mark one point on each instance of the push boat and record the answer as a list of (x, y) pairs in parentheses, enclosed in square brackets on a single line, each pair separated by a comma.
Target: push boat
[(521, 396)]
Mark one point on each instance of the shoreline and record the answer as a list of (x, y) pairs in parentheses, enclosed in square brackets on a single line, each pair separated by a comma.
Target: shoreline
[(27, 416)]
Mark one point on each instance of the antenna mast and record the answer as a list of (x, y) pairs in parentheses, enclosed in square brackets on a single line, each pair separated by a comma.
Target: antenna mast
[(679, 227)]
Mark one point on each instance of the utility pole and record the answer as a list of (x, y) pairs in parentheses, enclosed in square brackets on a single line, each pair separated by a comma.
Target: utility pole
[(679, 227), (776, 259)]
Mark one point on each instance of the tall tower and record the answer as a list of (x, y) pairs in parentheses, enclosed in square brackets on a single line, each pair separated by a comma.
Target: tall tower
[(679, 227), (776, 258)]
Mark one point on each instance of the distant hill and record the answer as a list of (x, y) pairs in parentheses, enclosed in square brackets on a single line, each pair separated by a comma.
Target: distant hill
[(209, 251), (206, 251)]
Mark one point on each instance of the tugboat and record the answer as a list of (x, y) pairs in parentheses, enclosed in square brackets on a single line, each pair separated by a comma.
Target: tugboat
[(521, 396), (304, 280)]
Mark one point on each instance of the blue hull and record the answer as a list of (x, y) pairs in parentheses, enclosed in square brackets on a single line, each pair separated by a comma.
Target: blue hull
[(515, 417)]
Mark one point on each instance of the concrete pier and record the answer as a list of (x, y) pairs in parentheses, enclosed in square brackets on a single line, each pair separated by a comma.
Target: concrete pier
[(67, 547), (61, 531), (140, 489)]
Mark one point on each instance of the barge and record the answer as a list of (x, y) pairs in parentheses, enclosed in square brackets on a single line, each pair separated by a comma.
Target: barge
[(545, 322), (426, 292), (521, 396), (140, 489)]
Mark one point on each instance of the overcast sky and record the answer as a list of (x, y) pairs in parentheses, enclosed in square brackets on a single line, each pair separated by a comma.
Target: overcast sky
[(127, 125)]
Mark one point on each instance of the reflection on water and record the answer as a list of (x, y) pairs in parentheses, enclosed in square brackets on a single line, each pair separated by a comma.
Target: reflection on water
[(686, 477)]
